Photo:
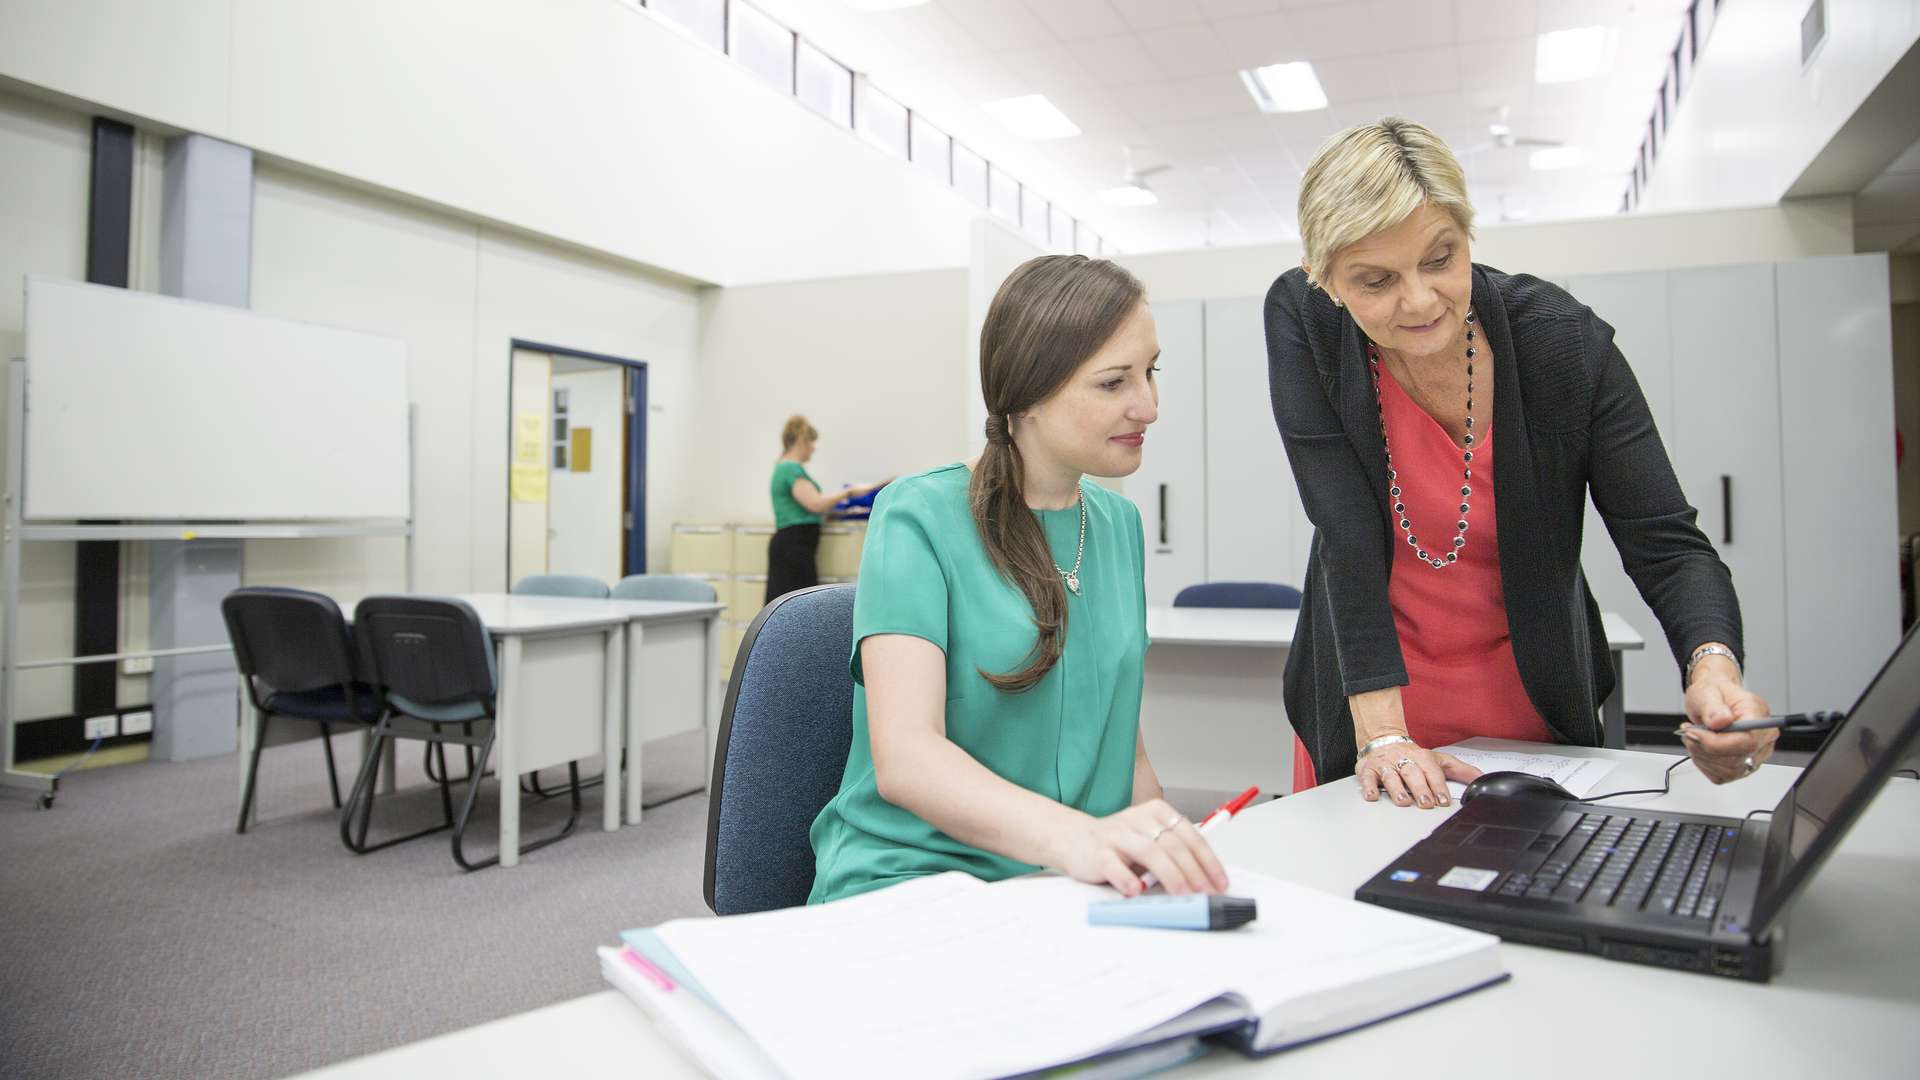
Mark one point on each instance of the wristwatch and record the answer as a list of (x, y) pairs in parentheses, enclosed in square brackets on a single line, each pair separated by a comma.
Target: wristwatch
[(1705, 651)]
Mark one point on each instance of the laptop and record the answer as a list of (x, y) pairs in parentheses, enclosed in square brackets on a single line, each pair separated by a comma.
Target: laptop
[(1691, 892)]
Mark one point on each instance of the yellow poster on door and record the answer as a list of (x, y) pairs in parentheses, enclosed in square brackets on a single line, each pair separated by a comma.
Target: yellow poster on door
[(528, 483), (580, 452), (530, 442)]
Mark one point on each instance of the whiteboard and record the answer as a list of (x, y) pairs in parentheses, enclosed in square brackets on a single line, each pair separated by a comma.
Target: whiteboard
[(144, 407)]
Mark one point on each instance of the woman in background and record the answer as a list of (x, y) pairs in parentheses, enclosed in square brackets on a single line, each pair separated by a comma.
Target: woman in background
[(798, 506)]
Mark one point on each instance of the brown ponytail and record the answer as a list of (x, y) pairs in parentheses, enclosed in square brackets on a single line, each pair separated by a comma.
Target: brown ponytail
[(795, 430), (1049, 316)]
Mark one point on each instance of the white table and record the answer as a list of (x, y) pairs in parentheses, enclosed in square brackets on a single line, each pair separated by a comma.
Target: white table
[(1848, 999), (565, 692), (1226, 665), (672, 686)]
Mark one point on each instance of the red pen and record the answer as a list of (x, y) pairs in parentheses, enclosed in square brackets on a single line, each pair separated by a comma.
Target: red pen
[(1220, 816), (1227, 809)]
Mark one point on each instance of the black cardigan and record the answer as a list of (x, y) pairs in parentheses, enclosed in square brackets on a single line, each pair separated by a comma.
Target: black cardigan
[(1570, 418)]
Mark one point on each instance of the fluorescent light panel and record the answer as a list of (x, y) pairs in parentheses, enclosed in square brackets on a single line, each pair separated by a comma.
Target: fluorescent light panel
[(1032, 117), (1130, 195), (1556, 157), (1279, 88), (1570, 55)]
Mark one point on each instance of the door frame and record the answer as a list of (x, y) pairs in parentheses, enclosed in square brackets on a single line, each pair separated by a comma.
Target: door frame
[(635, 494)]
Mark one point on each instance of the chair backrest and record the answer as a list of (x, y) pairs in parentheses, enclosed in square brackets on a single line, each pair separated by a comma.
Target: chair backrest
[(561, 585), (784, 733), (427, 649), (290, 639), (1239, 594), (669, 587)]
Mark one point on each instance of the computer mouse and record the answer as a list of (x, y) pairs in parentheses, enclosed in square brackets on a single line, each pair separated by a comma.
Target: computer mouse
[(1516, 784)]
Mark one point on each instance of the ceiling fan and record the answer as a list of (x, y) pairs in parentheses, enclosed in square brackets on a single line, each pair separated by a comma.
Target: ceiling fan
[(1501, 136), (1133, 189)]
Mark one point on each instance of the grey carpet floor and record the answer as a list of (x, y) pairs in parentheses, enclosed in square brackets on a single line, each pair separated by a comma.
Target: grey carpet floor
[(140, 936)]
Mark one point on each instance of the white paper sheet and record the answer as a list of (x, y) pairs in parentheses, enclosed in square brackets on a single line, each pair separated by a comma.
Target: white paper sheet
[(1578, 775)]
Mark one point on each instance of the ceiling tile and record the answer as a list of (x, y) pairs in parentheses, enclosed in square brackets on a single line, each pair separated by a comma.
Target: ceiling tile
[(1480, 20), (1259, 41), (926, 31), (1425, 71), (1365, 112), (999, 24), (1121, 59), (1071, 20), (1438, 112), (1353, 78), (1398, 25), (1229, 9), (1213, 95), (1343, 29), (1507, 62), (1152, 14), (1048, 69), (1188, 50)]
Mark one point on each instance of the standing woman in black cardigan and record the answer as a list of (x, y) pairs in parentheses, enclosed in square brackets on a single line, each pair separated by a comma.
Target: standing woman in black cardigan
[(1444, 597)]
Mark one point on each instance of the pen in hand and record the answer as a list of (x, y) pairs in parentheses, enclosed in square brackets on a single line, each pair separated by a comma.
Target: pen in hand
[(1220, 816), (1811, 721)]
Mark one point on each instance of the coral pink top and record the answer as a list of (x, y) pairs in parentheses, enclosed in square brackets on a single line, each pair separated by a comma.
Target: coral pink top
[(1452, 621)]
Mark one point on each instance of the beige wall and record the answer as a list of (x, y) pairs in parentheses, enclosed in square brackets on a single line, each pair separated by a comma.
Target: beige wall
[(1601, 245), (873, 362)]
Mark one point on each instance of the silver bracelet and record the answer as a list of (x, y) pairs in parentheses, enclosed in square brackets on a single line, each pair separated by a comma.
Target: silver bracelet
[(1383, 740), (1705, 651)]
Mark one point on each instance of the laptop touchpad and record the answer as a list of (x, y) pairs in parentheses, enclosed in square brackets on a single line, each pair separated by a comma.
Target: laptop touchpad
[(1501, 839)]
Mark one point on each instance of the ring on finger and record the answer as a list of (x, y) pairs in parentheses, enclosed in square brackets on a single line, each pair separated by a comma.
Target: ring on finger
[(1403, 763)]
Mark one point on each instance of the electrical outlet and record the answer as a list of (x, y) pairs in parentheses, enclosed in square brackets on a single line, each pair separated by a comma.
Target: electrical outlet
[(137, 723), (101, 727), (137, 665)]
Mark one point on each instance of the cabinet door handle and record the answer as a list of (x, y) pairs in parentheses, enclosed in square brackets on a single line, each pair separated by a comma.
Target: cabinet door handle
[(1726, 509), (1163, 513)]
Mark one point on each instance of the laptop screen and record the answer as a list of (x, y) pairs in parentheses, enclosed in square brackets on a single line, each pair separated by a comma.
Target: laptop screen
[(1878, 735)]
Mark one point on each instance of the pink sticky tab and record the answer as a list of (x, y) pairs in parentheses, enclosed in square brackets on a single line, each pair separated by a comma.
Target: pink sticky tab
[(639, 963)]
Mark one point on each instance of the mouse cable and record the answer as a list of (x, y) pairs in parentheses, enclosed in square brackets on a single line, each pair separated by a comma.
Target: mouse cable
[(1666, 785)]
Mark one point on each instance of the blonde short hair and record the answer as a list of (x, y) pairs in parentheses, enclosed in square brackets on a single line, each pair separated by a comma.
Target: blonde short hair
[(796, 429), (1370, 177)]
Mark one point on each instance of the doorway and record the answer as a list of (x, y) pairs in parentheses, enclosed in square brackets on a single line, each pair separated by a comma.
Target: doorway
[(576, 470)]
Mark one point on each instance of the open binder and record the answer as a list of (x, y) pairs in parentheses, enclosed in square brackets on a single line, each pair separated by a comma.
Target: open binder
[(948, 976)]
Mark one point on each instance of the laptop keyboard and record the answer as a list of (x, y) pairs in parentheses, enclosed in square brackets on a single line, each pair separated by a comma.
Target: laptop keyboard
[(1634, 863)]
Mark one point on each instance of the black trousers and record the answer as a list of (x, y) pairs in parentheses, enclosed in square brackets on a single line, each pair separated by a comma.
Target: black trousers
[(790, 560)]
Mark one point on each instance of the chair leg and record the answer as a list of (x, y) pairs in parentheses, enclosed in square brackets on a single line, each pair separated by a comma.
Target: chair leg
[(333, 779), (253, 773), (446, 786), (466, 810), (460, 829), (362, 801)]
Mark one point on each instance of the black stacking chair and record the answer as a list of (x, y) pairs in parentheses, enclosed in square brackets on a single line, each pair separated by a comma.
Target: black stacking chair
[(433, 659), (297, 661)]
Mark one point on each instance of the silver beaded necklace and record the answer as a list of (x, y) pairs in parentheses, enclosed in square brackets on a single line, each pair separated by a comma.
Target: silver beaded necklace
[(1072, 577), (1466, 461)]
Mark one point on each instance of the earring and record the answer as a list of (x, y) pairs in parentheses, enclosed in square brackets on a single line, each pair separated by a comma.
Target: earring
[(1339, 303)]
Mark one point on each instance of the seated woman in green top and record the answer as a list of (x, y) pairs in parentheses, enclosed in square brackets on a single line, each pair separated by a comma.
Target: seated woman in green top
[(999, 630), (798, 506)]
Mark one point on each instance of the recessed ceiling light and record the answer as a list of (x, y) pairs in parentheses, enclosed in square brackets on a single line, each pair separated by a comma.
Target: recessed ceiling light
[(1130, 195), (1556, 157), (1280, 88), (1032, 117), (883, 5), (1570, 55)]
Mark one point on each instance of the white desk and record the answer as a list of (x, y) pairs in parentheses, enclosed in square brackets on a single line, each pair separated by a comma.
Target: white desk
[(672, 686), (1226, 665), (564, 664), (1848, 999)]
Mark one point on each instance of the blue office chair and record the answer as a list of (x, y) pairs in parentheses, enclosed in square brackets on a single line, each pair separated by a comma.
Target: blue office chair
[(296, 659), (1238, 594), (669, 587), (784, 734), (561, 585), (433, 657)]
